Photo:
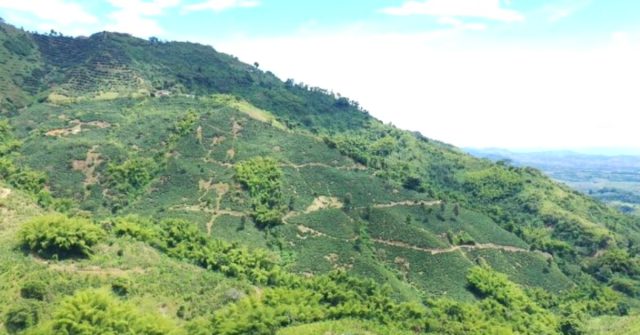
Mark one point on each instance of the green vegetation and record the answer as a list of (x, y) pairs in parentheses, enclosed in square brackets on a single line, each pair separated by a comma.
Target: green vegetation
[(263, 178), (205, 196), (8, 143), (129, 180), (627, 325), (611, 179), (59, 236), (181, 239), (97, 312)]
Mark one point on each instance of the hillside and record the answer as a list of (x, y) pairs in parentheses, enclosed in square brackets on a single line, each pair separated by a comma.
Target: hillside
[(611, 179), (209, 196)]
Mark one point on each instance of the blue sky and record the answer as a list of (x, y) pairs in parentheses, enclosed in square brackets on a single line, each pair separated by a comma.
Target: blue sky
[(483, 73)]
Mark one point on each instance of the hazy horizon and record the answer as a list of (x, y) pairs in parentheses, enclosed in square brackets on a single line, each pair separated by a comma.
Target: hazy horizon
[(608, 151), (557, 75)]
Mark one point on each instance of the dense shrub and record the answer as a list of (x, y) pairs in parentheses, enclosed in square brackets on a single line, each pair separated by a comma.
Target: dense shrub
[(33, 289), (97, 312), (263, 179), (20, 317), (493, 183), (56, 234), (264, 315), (460, 238), (626, 286), (128, 180), (8, 143), (121, 286), (183, 240), (135, 227), (507, 302)]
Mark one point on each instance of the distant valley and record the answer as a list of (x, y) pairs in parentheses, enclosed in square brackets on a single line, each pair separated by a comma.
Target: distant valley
[(612, 179)]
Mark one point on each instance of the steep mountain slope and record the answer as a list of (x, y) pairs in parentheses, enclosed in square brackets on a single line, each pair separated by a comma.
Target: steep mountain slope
[(111, 125)]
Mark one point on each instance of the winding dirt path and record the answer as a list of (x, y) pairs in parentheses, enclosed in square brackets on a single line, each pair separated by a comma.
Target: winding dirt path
[(453, 248), (315, 164), (223, 164), (409, 203), (215, 213)]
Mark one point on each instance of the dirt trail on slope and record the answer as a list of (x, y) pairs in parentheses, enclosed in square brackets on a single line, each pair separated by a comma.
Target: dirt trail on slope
[(408, 203), (76, 128), (302, 229), (453, 248), (215, 213), (223, 164), (324, 165)]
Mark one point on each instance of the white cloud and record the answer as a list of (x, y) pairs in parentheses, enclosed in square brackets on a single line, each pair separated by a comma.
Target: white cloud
[(58, 13), (486, 9), (459, 24), (480, 96), (221, 5), (563, 9), (136, 16)]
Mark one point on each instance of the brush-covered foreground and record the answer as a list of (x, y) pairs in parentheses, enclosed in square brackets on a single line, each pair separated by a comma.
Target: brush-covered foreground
[(159, 188)]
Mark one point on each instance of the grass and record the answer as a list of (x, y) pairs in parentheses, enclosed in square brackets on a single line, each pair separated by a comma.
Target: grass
[(441, 275), (525, 268), (333, 222), (389, 225), (341, 327), (611, 325)]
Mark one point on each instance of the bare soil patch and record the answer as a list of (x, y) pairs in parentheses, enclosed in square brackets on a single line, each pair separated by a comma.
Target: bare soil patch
[(323, 202)]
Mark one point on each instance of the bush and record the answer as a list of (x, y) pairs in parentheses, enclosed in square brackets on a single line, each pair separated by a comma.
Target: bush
[(97, 312), (56, 234), (506, 301), (8, 143), (21, 317), (34, 289), (129, 180), (121, 286), (460, 238), (135, 227), (625, 285), (263, 178)]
